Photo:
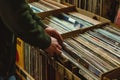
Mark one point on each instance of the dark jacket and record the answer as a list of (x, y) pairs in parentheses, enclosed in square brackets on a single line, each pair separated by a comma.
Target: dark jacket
[(18, 20)]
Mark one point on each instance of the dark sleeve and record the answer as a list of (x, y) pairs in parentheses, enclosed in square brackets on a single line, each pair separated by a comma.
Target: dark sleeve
[(20, 19)]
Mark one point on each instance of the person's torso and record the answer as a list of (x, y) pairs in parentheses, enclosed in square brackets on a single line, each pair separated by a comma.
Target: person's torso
[(7, 49)]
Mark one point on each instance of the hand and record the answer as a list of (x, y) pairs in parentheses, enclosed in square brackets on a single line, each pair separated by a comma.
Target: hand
[(54, 47), (52, 32)]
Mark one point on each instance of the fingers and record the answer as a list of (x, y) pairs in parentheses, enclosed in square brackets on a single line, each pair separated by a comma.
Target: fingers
[(56, 35), (58, 51), (54, 51), (52, 32), (54, 48)]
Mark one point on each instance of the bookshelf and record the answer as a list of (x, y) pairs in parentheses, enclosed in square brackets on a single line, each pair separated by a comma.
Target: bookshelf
[(52, 69)]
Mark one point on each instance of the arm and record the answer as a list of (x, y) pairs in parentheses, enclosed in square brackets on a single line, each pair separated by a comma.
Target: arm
[(20, 19)]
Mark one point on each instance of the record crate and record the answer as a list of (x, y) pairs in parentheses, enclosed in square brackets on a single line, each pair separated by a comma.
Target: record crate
[(65, 67), (88, 16)]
